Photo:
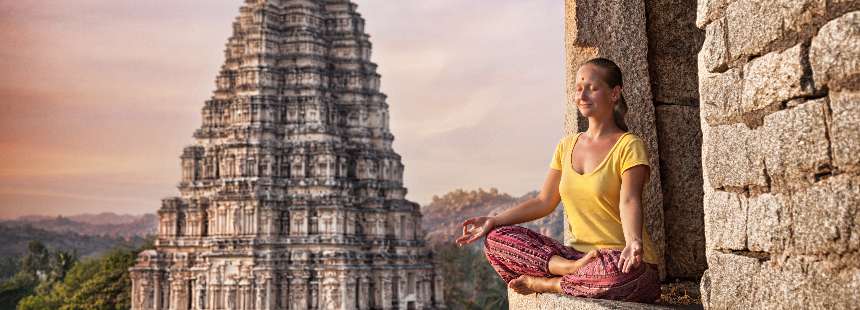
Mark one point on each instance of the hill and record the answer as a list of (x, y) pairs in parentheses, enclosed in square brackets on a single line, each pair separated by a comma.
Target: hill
[(442, 218)]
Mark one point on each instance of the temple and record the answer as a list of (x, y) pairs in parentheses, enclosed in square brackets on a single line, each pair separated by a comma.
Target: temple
[(291, 194)]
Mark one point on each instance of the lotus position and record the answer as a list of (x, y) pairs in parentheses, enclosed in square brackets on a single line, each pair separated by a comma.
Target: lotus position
[(598, 175)]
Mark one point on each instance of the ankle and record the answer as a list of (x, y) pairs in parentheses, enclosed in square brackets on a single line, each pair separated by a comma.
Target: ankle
[(552, 285), (560, 266)]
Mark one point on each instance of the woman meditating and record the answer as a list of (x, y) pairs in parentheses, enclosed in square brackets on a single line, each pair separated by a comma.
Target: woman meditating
[(598, 175)]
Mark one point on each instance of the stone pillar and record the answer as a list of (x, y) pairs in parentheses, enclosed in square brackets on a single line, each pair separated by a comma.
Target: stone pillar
[(363, 292), (673, 43), (385, 296), (438, 291), (780, 88)]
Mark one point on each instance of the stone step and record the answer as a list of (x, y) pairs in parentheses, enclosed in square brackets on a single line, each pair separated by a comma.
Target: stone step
[(556, 301)]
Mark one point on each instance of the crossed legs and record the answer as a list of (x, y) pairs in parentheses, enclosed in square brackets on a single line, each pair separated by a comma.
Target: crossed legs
[(531, 262)]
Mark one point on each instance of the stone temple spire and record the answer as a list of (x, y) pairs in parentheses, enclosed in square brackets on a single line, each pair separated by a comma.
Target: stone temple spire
[(291, 195)]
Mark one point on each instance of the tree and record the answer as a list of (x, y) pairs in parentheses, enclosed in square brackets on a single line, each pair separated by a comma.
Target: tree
[(470, 282), (99, 283)]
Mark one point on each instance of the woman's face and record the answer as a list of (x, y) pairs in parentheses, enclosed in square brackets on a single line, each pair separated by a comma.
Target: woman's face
[(594, 98)]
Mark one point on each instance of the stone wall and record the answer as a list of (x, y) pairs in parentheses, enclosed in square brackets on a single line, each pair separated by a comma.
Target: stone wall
[(779, 84)]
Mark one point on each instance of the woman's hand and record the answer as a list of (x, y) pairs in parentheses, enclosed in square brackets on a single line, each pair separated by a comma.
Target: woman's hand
[(631, 256), (475, 228)]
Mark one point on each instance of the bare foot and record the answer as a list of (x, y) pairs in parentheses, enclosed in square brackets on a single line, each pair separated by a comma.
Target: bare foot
[(527, 285), (561, 266)]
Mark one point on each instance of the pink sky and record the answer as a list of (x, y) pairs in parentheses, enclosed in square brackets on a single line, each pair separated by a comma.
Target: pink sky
[(100, 96)]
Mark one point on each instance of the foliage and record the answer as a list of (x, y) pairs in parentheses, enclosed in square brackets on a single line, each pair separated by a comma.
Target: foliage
[(9, 266), (96, 283), (38, 270), (470, 282), (19, 286)]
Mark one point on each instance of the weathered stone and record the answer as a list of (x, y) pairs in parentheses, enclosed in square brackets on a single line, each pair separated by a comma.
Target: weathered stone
[(824, 215), (681, 172), (789, 282), (673, 42), (709, 10), (780, 169), (774, 78), (835, 53), (616, 29), (787, 151), (845, 130), (714, 54), (556, 301), (795, 145), (727, 274), (720, 95), (815, 220), (731, 156), (755, 27), (768, 223), (725, 221)]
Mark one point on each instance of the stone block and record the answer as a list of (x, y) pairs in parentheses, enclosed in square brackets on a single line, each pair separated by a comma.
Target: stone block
[(823, 216), (556, 301), (795, 146), (768, 223), (714, 53), (835, 53), (845, 130), (720, 96), (725, 221), (680, 140), (673, 42), (755, 27), (785, 153), (788, 282), (815, 220), (727, 282), (774, 78), (710, 10), (731, 156)]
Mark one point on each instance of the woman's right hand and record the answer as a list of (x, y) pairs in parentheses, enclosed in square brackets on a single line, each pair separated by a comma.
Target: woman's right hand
[(475, 228)]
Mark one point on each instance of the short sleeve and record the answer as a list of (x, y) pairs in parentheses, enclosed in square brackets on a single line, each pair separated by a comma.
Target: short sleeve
[(634, 153), (555, 163)]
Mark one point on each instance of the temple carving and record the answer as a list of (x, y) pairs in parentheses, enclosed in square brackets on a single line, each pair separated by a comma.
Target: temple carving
[(291, 194)]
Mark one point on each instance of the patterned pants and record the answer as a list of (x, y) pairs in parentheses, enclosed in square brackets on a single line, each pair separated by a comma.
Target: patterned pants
[(516, 250)]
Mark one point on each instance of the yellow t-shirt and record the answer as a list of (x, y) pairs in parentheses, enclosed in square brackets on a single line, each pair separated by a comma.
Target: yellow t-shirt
[(591, 200)]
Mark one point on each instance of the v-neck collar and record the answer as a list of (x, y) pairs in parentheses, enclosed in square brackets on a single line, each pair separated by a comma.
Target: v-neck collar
[(602, 163)]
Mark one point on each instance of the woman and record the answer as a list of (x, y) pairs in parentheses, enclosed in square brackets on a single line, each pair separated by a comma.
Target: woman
[(598, 175)]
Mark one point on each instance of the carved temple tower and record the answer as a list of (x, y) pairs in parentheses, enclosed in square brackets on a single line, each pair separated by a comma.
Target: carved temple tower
[(291, 194)]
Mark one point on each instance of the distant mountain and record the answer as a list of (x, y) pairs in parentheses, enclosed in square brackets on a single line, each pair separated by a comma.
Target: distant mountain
[(102, 224), (14, 240), (442, 218)]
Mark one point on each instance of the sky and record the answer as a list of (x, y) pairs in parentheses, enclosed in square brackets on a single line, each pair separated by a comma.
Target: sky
[(98, 97)]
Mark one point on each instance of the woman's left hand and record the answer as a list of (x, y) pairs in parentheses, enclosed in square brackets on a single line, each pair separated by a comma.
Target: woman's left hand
[(631, 256)]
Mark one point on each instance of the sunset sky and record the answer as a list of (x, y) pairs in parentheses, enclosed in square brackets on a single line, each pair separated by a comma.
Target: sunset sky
[(98, 97)]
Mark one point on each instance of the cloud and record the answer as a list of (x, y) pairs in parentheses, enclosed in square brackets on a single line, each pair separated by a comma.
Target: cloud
[(108, 92)]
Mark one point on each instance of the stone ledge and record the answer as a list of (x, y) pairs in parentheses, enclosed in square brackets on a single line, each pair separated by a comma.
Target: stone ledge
[(555, 301)]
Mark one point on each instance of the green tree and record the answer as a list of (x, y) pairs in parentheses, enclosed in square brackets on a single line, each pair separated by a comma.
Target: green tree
[(470, 281), (35, 266), (16, 288), (99, 283)]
